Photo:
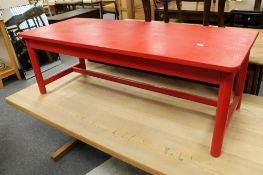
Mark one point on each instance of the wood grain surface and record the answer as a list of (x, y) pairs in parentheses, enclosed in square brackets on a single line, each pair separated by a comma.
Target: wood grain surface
[(154, 132)]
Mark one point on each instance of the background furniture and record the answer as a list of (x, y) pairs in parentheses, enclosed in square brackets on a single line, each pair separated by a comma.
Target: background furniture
[(246, 15), (11, 60), (247, 18), (79, 13), (91, 2), (12, 68), (24, 18), (192, 11), (206, 10), (258, 4), (69, 4), (34, 15), (50, 7), (109, 6)]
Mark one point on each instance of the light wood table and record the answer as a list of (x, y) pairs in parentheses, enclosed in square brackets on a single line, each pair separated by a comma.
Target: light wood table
[(12, 69), (256, 59), (154, 132)]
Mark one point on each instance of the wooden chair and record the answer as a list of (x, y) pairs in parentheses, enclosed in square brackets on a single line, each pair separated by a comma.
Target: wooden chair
[(34, 15), (206, 8), (109, 6), (206, 14), (91, 2), (257, 4), (67, 4), (50, 7)]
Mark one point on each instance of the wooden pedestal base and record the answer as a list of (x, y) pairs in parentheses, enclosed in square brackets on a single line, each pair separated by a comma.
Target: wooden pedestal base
[(64, 149)]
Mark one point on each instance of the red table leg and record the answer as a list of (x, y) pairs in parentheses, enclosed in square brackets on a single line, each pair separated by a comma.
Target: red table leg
[(36, 68), (82, 63), (241, 79), (225, 91)]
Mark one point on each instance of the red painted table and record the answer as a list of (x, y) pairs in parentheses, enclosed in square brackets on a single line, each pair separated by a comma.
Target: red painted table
[(209, 54)]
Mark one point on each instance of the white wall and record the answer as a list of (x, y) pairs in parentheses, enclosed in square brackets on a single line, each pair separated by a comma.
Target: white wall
[(11, 3), (3, 52)]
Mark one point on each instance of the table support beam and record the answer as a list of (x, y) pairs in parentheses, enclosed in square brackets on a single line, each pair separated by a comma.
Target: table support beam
[(151, 65), (60, 74), (149, 87), (64, 149)]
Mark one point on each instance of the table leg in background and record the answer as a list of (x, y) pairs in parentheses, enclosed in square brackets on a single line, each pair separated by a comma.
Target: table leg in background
[(82, 63), (241, 80), (259, 80)]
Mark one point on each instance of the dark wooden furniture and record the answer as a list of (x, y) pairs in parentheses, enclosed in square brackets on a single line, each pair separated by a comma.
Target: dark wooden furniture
[(34, 15), (207, 7), (254, 78), (257, 4), (109, 6), (206, 13), (246, 18), (79, 13), (251, 16), (193, 12)]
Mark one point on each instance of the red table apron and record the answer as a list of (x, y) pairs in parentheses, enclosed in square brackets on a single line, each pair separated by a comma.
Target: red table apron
[(208, 54)]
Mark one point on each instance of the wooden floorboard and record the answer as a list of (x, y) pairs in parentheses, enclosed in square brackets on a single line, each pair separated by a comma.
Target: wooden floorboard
[(154, 132)]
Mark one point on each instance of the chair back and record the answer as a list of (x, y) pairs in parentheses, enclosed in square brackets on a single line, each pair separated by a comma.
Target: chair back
[(34, 14), (206, 13)]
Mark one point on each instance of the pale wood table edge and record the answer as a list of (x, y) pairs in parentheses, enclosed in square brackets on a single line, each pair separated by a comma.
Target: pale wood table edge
[(85, 140)]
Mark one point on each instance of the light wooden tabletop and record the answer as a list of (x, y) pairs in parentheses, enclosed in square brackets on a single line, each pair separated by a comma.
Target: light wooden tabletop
[(256, 53), (155, 132)]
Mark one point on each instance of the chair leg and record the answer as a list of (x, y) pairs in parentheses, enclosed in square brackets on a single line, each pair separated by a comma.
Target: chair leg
[(116, 11), (250, 77), (1, 83), (259, 80), (207, 7), (82, 63), (101, 10), (179, 9), (147, 10), (221, 7), (18, 74), (166, 14), (49, 56)]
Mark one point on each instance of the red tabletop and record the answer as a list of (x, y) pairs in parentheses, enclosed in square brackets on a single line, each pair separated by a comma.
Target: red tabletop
[(216, 48)]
